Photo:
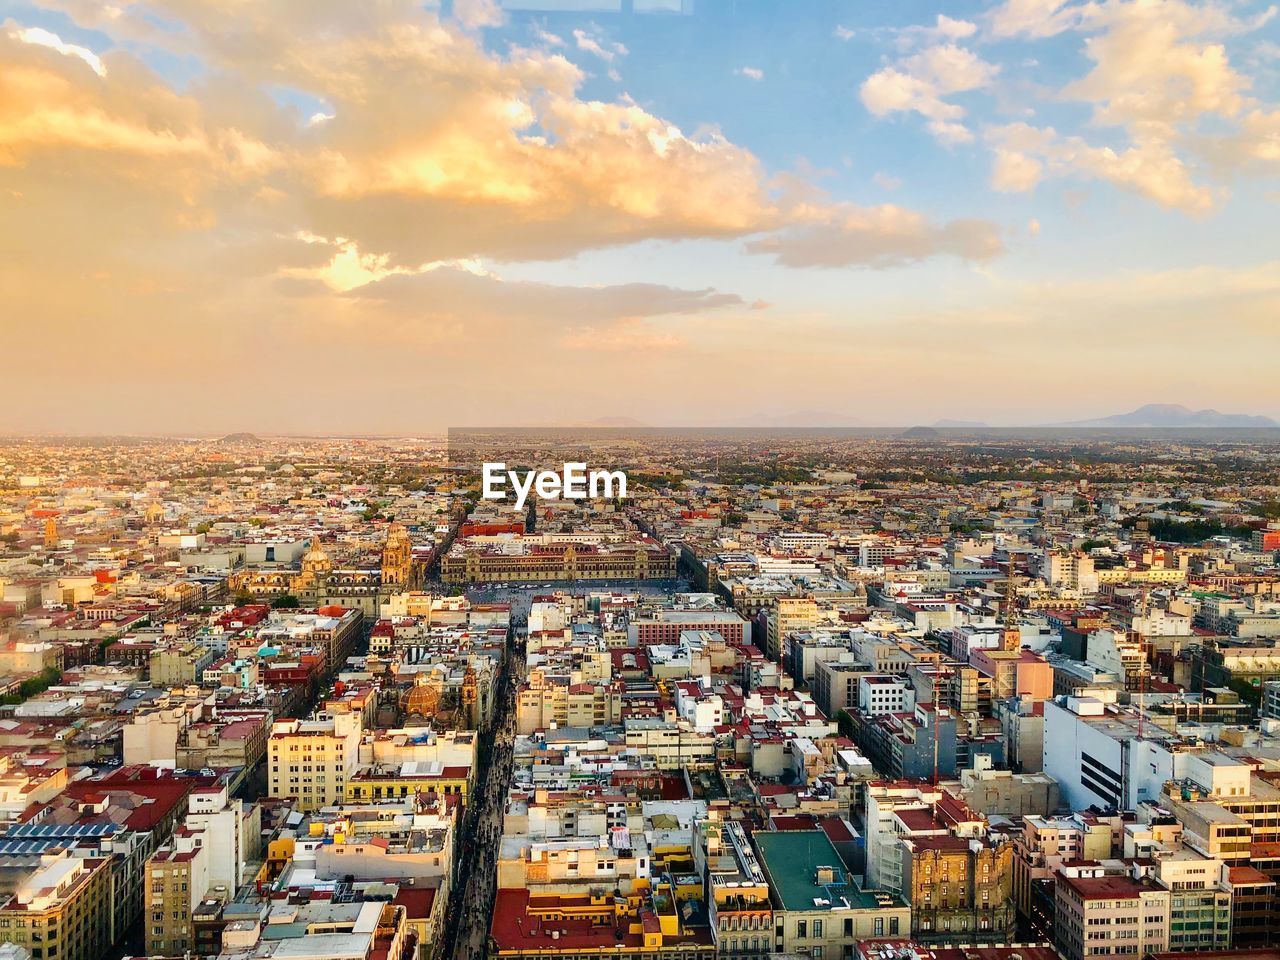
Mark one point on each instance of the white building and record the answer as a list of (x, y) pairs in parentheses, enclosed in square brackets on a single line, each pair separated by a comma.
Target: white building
[(1101, 756), (879, 694)]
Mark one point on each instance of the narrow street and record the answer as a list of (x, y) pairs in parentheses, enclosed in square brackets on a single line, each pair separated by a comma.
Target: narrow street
[(467, 921)]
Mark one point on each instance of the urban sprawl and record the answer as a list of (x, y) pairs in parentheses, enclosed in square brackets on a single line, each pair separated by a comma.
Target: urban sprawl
[(917, 696)]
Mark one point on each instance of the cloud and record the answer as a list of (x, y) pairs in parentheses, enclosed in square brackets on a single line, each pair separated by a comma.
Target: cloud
[(629, 336), (478, 295), (886, 181), (944, 30), (427, 148), (1015, 171), (1023, 153), (877, 237), (475, 14), (844, 33), (751, 73), (1253, 147), (1035, 19), (129, 126), (1151, 72), (207, 221), (607, 51), (920, 82), (46, 38), (1160, 75)]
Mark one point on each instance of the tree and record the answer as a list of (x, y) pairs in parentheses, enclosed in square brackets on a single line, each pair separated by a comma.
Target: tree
[(286, 602)]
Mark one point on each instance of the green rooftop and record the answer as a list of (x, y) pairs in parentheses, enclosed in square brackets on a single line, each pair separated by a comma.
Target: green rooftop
[(791, 860)]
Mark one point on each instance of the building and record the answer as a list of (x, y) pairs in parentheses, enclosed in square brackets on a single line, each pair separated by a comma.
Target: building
[(553, 557), (177, 878), (1103, 756), (584, 926), (738, 903), (818, 909), (312, 760), (542, 704), (1109, 916), (665, 626), (786, 616), (232, 831), (959, 888), (62, 910)]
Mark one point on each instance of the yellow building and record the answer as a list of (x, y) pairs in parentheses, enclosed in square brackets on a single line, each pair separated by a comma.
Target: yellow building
[(409, 779), (498, 560), (542, 703), (62, 911), (312, 760), (786, 616), (959, 889)]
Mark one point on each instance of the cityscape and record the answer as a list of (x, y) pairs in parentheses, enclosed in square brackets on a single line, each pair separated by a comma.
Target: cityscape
[(639, 480), (934, 693)]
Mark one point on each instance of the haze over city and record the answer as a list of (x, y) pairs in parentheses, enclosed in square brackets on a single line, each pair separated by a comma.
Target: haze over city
[(322, 217)]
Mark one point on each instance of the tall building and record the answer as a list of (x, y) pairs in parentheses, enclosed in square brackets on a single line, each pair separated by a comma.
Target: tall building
[(177, 878), (786, 616), (62, 910), (960, 889), (397, 558), (312, 760), (1109, 916), (738, 904)]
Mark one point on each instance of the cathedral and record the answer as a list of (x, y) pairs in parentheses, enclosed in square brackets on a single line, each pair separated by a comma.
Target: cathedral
[(318, 582)]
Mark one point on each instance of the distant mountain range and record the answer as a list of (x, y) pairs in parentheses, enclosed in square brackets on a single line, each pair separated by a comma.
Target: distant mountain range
[(1150, 416), (1174, 415)]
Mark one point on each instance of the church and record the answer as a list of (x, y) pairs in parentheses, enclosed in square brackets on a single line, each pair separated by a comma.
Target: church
[(318, 582)]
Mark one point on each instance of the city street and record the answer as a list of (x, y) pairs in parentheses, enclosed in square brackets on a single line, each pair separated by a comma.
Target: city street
[(467, 921)]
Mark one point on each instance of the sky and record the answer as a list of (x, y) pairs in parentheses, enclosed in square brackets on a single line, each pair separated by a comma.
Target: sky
[(390, 217)]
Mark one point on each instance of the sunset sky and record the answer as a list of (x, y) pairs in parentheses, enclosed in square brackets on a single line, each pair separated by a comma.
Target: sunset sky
[(329, 216)]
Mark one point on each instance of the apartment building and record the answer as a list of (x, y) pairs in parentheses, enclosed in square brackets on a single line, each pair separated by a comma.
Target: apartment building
[(1109, 916), (177, 879), (786, 616), (62, 911), (542, 704), (672, 745), (312, 760), (738, 906)]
